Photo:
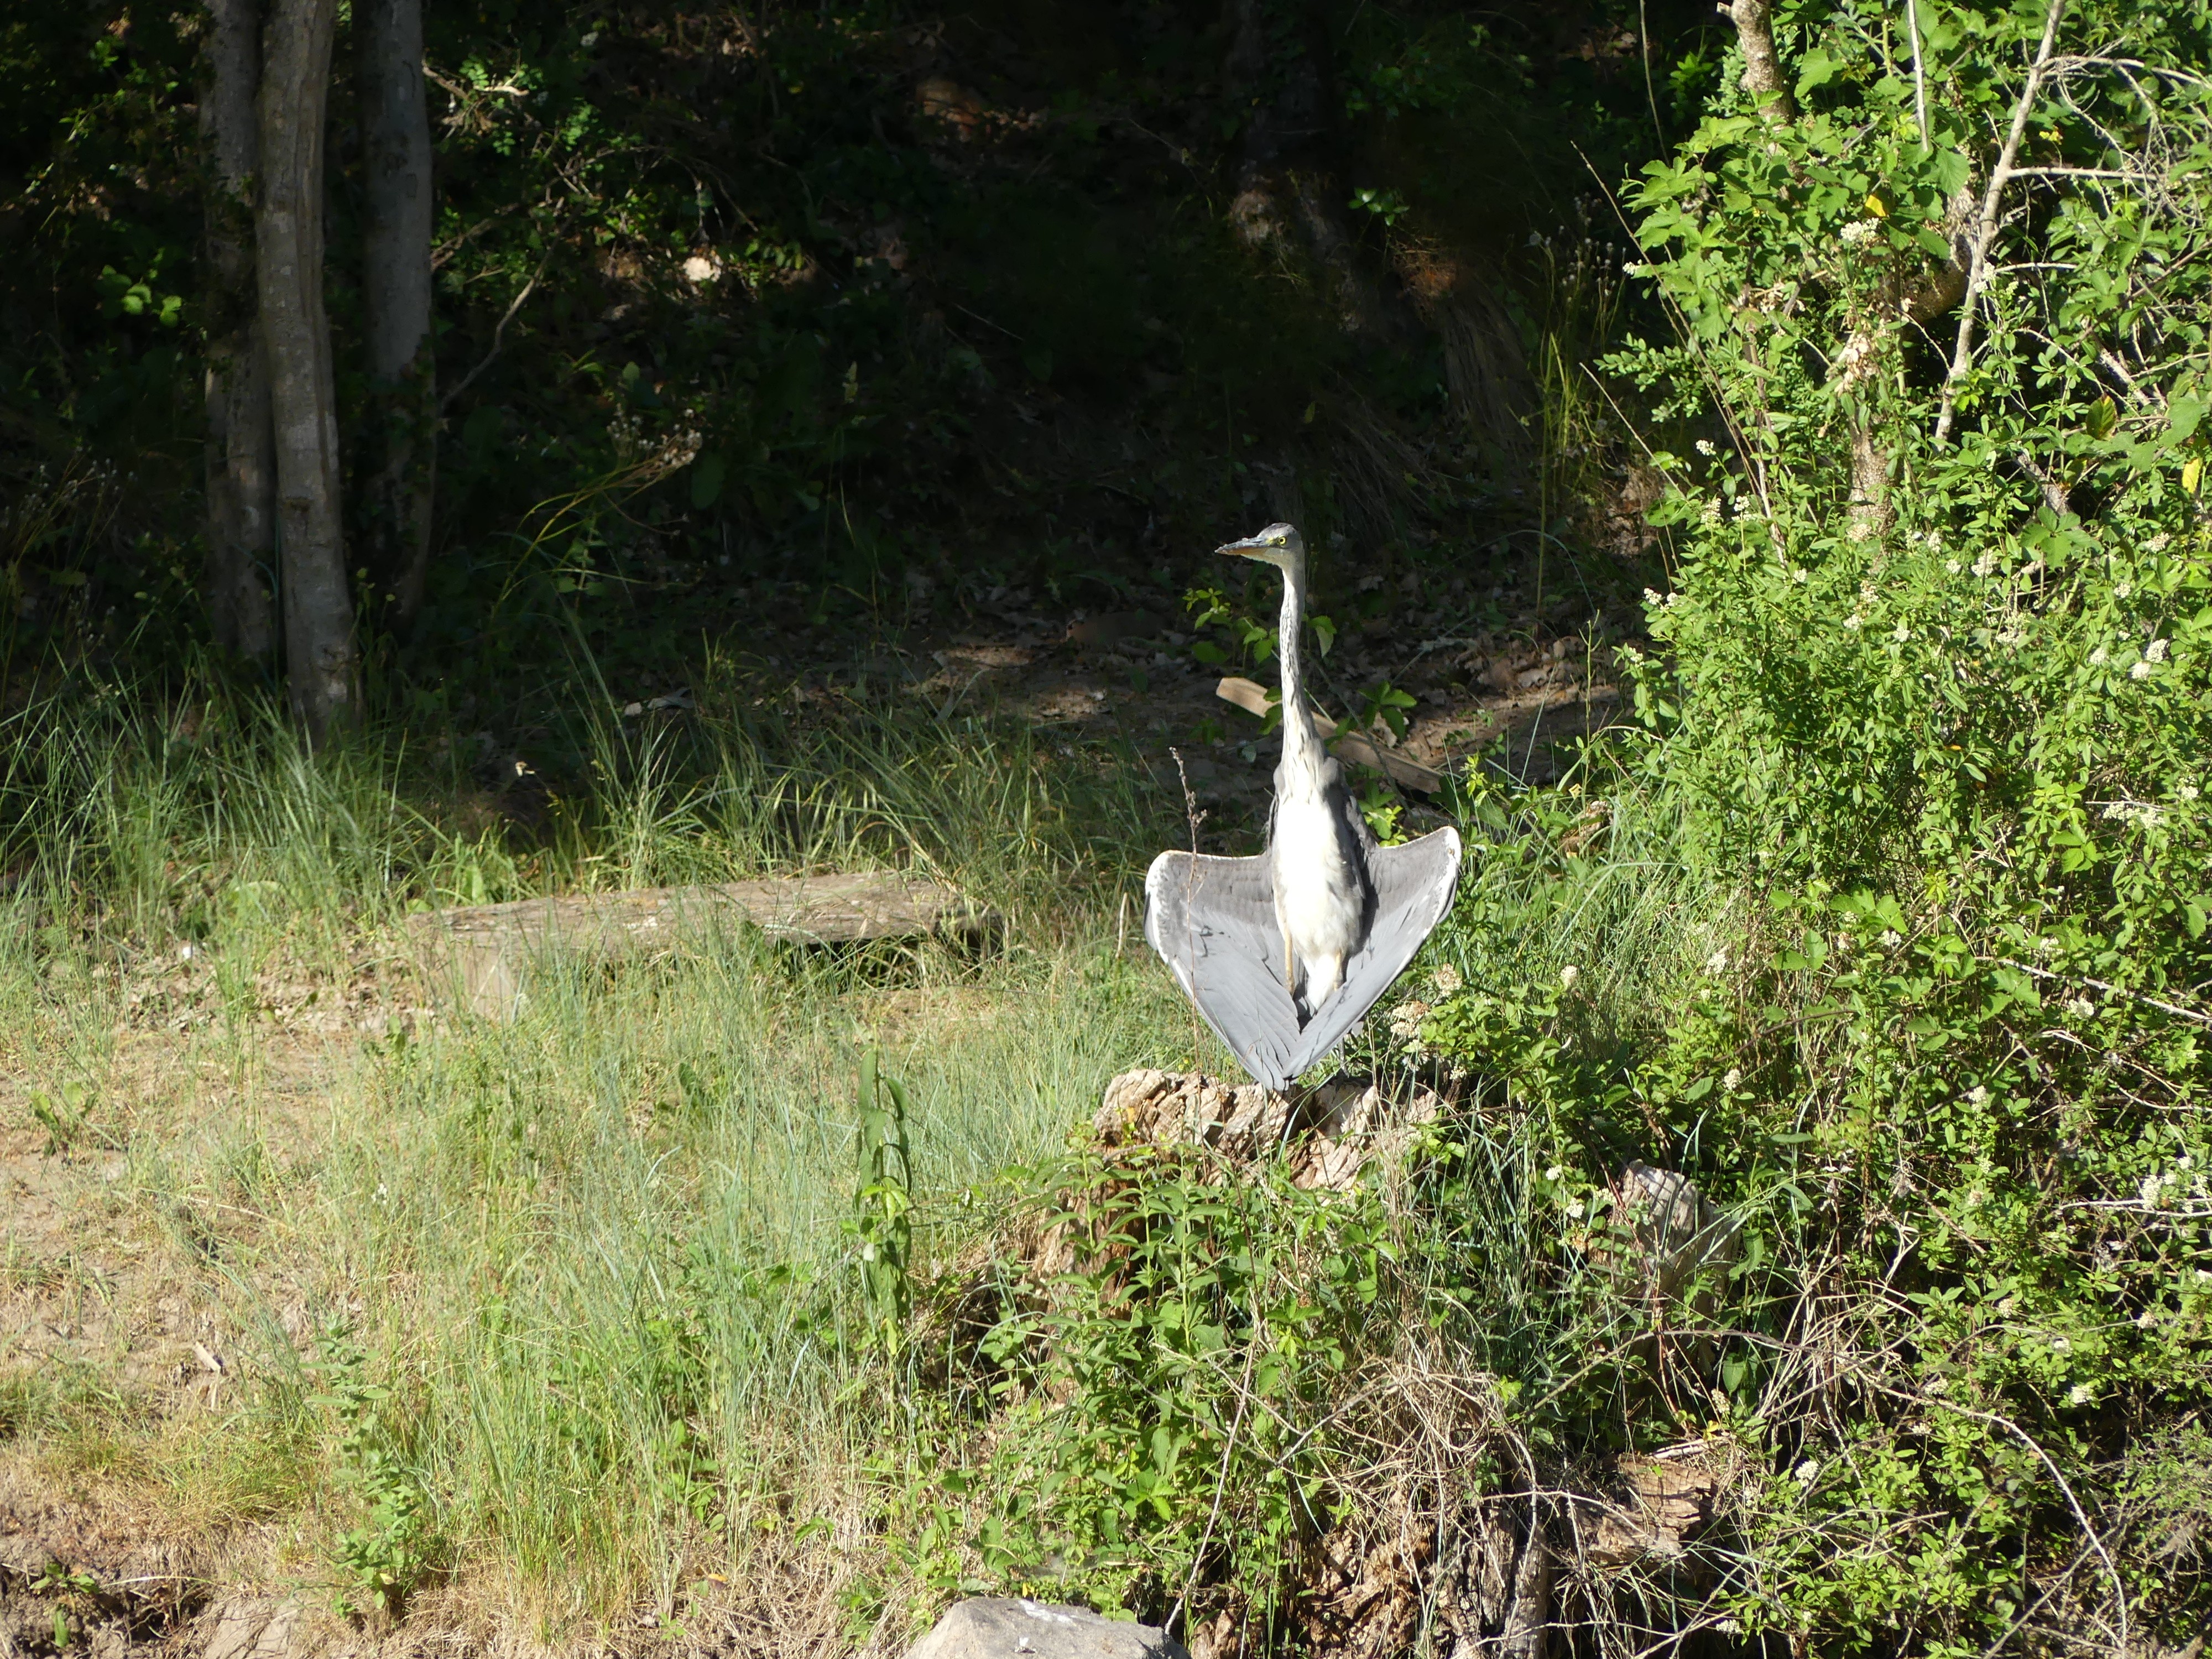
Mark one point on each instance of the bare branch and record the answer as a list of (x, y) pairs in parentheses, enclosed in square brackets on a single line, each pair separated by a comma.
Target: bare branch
[(498, 333), (1985, 233)]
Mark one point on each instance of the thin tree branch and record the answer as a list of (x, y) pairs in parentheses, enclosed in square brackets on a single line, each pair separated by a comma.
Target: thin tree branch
[(1919, 72), (498, 334), (1978, 268)]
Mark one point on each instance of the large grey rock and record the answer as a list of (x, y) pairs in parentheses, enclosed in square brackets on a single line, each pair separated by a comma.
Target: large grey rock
[(1001, 1627)]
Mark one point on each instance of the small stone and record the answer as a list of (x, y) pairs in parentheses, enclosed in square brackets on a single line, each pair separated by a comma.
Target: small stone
[(1003, 1627)]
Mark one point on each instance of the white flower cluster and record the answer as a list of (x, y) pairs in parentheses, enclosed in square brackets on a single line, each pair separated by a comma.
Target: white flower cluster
[(2183, 1186), (1860, 230), (2133, 811), (1406, 1025)]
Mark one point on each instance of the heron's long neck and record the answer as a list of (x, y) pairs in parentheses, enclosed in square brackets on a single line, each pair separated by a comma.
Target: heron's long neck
[(1299, 734)]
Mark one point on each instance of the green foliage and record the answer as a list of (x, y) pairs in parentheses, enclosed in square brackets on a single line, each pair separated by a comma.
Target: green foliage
[(1930, 701), (882, 1223), (1166, 1415), (385, 1558)]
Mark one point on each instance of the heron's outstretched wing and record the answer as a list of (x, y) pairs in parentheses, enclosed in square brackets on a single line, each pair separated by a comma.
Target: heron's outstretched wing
[(1213, 921), (1413, 886)]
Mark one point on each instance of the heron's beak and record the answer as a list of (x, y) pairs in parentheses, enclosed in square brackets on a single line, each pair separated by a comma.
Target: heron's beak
[(1247, 549)]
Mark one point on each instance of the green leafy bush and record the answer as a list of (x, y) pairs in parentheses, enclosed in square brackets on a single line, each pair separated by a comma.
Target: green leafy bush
[(1925, 733)]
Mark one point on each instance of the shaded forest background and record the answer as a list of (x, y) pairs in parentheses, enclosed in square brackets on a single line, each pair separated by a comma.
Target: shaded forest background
[(894, 306)]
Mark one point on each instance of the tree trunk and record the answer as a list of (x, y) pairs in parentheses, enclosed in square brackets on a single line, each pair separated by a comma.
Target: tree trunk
[(399, 442), (241, 466), (1762, 66), (320, 663), (1287, 191)]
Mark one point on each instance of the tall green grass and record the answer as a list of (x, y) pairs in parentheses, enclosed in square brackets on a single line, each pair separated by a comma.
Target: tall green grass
[(589, 1267), (564, 1312)]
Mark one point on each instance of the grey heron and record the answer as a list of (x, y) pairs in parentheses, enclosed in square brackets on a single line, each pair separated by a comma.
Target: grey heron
[(1285, 952)]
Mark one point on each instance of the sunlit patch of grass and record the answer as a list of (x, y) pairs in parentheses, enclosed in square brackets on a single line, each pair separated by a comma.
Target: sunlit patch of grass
[(562, 1307)]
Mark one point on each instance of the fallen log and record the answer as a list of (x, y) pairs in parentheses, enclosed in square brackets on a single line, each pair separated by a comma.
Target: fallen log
[(481, 953), (1252, 698)]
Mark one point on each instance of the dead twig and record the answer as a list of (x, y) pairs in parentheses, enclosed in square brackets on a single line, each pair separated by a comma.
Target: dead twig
[(498, 335)]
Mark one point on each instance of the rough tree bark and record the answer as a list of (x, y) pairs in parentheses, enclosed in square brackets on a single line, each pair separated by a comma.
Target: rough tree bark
[(399, 432), (241, 480), (320, 661), (1762, 67), (1284, 180)]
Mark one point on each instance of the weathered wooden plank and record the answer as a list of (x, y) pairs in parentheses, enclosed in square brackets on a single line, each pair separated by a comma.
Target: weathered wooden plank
[(482, 950)]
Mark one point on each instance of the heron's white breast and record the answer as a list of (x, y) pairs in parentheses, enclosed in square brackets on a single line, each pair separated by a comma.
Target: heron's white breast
[(1318, 894)]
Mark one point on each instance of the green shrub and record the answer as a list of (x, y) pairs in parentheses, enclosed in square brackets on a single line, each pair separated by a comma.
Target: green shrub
[(1930, 704)]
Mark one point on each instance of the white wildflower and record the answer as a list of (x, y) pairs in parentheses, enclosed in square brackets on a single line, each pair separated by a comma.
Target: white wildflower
[(2060, 1345), (1891, 938), (1806, 1473), (1953, 566), (1553, 1173), (1859, 230), (1734, 1079), (1446, 980), (1985, 565), (2081, 1007), (1977, 1096), (2155, 651), (2122, 591), (1575, 1209), (1801, 574), (2140, 671), (1406, 1020), (2150, 1190), (2187, 792), (1568, 975), (1704, 446), (1902, 635), (2080, 1394), (1853, 621), (2099, 656), (1716, 962)]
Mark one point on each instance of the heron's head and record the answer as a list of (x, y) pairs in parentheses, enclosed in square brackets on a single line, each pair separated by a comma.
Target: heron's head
[(1278, 544)]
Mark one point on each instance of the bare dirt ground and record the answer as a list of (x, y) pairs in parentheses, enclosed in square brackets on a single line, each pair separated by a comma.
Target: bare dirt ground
[(1513, 677)]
